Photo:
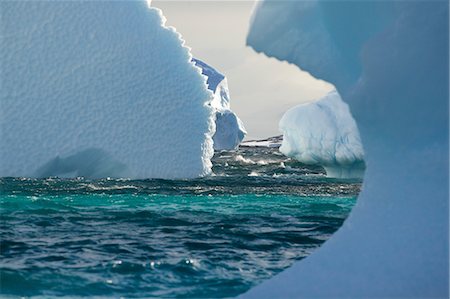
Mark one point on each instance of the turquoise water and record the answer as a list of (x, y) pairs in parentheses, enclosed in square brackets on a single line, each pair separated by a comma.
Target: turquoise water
[(206, 238)]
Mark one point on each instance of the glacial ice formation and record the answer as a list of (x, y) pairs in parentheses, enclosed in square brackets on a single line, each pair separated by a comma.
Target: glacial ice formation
[(99, 89), (389, 61), (230, 130), (273, 142), (324, 133)]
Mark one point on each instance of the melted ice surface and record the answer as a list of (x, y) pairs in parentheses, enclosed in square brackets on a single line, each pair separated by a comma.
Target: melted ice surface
[(99, 89)]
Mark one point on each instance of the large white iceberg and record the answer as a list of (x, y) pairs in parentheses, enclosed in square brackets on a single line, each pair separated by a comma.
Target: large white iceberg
[(230, 130), (389, 61), (97, 89), (324, 133)]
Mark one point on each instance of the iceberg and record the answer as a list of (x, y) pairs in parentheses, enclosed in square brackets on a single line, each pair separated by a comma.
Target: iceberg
[(324, 133), (230, 130), (389, 61), (100, 89), (272, 142)]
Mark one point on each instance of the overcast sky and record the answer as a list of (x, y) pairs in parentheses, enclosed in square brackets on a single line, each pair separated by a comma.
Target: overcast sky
[(261, 88)]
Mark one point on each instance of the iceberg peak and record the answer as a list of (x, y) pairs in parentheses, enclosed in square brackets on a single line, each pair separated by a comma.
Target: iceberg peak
[(230, 129)]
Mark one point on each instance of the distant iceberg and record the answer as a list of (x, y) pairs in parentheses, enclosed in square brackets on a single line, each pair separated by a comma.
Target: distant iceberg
[(230, 130), (100, 89), (272, 142), (324, 133)]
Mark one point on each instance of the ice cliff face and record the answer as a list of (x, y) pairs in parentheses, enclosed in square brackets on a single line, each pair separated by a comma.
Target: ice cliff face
[(99, 89), (324, 133), (230, 130), (389, 62)]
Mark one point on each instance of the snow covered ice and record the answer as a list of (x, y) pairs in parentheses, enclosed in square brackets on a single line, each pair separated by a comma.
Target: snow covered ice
[(230, 130), (324, 133), (389, 61), (100, 89)]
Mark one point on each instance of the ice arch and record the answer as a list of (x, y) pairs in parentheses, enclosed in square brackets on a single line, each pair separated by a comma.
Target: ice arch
[(99, 89), (389, 61)]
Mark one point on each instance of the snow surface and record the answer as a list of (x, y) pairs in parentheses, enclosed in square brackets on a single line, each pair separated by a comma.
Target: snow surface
[(389, 61), (230, 130), (99, 89), (324, 133)]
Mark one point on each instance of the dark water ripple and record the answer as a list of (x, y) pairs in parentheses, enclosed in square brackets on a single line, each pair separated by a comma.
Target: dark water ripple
[(206, 238)]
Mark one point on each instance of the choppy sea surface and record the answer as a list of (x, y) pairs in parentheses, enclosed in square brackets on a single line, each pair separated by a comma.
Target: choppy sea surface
[(212, 237)]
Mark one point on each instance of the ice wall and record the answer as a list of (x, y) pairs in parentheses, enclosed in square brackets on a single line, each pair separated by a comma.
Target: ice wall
[(99, 89), (324, 133), (230, 130), (389, 62)]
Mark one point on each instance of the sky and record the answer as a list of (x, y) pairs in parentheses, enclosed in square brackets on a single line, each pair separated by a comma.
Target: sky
[(261, 88)]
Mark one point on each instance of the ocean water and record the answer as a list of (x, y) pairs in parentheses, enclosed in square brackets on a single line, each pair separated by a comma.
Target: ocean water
[(212, 237)]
